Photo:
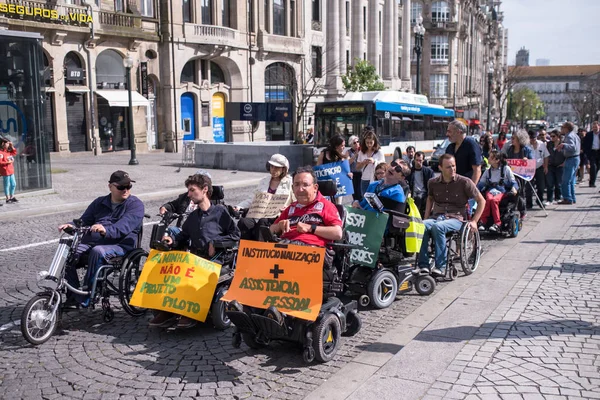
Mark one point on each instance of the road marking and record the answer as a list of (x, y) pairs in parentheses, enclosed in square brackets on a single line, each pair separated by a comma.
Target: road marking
[(28, 246)]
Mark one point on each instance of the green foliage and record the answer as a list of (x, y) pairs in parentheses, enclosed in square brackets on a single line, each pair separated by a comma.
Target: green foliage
[(362, 77), (525, 104)]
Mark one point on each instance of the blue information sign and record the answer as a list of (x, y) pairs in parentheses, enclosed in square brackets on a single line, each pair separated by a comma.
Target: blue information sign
[(338, 172)]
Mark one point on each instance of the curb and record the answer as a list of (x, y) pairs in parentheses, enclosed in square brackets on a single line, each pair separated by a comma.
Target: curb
[(81, 205)]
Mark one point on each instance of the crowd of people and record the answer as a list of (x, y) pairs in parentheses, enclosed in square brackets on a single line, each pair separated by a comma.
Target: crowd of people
[(474, 180)]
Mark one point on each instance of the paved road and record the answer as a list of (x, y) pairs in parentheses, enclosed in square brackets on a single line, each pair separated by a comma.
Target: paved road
[(125, 359)]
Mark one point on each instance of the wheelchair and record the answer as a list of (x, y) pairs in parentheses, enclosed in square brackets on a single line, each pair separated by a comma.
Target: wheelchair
[(41, 315), (393, 275), (320, 339), (510, 217), (463, 247)]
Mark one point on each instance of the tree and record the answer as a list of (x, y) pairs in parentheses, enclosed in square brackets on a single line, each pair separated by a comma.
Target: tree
[(526, 104), (586, 100), (362, 77), (503, 87)]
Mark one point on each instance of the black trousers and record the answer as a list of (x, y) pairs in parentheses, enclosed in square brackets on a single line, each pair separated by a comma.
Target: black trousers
[(594, 157), (356, 178), (421, 203), (250, 227), (539, 181)]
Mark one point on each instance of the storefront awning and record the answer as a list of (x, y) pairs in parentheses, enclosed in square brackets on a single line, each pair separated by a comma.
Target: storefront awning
[(77, 88), (120, 98)]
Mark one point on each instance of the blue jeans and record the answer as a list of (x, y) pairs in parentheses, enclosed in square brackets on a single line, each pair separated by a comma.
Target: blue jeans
[(568, 180), (9, 185), (553, 182), (97, 256), (437, 229)]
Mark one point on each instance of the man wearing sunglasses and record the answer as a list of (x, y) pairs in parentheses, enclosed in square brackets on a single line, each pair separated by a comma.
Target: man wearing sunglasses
[(391, 189), (115, 221)]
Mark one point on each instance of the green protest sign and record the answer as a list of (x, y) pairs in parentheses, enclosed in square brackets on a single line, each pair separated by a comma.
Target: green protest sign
[(365, 229)]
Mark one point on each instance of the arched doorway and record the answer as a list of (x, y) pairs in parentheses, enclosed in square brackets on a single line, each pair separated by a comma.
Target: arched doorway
[(48, 125), (280, 86), (218, 113), (112, 120), (75, 100), (188, 116)]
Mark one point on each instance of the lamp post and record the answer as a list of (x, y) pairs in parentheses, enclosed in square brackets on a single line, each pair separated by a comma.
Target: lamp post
[(510, 99), (489, 96), (419, 31), (128, 64), (522, 110)]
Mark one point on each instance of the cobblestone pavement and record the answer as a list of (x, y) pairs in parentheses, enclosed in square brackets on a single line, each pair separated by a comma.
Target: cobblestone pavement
[(125, 359), (543, 341)]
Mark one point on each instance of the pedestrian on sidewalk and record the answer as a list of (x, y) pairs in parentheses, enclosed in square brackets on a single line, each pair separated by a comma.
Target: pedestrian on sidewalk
[(540, 152), (7, 169), (584, 163), (556, 163), (591, 148), (571, 147)]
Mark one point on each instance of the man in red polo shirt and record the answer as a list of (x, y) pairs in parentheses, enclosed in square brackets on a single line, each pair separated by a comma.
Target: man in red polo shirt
[(312, 219)]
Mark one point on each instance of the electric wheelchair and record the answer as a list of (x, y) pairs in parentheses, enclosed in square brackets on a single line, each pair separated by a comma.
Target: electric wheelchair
[(320, 339)]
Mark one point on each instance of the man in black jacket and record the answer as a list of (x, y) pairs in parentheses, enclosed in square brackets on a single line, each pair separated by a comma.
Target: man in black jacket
[(417, 181), (591, 148)]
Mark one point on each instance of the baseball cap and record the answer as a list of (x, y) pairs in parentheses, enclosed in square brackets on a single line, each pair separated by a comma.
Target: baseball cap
[(120, 178), (279, 160)]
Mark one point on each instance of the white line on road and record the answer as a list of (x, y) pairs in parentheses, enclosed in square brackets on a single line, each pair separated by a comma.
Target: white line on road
[(28, 246)]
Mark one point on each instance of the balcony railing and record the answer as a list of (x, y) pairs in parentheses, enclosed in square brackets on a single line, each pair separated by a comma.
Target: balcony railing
[(212, 34), (126, 24), (119, 19)]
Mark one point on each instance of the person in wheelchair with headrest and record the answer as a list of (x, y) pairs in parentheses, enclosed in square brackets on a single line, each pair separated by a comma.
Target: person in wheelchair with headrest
[(311, 220), (497, 184), (207, 225), (446, 211), (182, 205), (390, 189)]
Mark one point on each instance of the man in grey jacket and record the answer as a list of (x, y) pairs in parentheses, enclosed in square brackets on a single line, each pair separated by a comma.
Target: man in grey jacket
[(571, 147)]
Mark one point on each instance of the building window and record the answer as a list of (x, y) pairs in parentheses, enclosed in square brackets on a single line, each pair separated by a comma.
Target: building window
[(187, 10), (188, 73), (439, 49), (317, 62), (120, 5), (293, 18), (365, 22), (347, 18), (316, 10), (216, 74), (438, 86), (206, 12), (267, 17), (415, 10), (250, 15), (380, 33), (279, 17), (440, 12), (225, 13), (147, 8), (347, 60), (205, 114)]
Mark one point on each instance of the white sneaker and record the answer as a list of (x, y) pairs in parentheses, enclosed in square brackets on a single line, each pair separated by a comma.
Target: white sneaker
[(547, 203)]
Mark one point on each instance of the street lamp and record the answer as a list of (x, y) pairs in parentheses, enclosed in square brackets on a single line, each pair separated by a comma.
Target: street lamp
[(489, 99), (419, 31), (510, 100), (522, 110), (128, 63)]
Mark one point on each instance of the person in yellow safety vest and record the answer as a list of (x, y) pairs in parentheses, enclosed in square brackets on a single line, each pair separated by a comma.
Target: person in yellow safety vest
[(413, 235)]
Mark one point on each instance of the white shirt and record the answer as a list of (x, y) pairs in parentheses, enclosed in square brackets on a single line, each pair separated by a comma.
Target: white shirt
[(596, 142), (540, 153), (369, 170)]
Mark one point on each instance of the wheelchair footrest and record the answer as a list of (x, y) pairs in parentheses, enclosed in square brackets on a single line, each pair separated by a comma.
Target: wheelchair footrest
[(242, 321), (270, 328)]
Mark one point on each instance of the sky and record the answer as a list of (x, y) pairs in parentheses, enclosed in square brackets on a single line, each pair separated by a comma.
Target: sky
[(567, 32)]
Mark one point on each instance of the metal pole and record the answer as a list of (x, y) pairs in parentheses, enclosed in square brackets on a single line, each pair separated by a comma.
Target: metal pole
[(133, 160), (489, 101), (418, 51)]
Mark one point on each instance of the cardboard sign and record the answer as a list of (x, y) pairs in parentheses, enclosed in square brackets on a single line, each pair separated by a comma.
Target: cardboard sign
[(524, 169), (365, 229), (267, 205), (286, 276), (338, 172), (177, 282)]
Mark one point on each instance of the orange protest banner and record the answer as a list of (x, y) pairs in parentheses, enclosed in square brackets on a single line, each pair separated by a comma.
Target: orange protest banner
[(289, 277)]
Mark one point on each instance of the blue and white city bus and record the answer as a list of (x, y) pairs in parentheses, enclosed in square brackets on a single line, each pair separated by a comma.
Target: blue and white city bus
[(400, 120)]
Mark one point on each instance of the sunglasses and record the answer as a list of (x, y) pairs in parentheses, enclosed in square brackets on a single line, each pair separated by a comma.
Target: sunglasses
[(123, 187), (397, 167)]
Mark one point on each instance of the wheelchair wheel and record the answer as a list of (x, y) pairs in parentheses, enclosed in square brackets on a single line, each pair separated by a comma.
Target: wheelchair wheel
[(514, 226), (250, 340), (470, 249), (353, 324), (382, 288), (425, 285), (130, 273), (326, 337), (38, 321), (218, 316)]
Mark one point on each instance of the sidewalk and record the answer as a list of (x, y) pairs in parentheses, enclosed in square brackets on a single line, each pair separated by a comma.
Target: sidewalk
[(525, 325), (79, 178)]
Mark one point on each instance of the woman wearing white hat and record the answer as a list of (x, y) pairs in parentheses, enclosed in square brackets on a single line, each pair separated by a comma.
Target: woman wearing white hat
[(277, 183)]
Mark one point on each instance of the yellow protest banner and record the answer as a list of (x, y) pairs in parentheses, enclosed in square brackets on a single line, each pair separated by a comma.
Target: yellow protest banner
[(178, 282), (267, 205), (286, 276)]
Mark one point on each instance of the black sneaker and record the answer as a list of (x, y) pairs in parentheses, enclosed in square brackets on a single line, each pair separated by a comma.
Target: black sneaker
[(14, 200)]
